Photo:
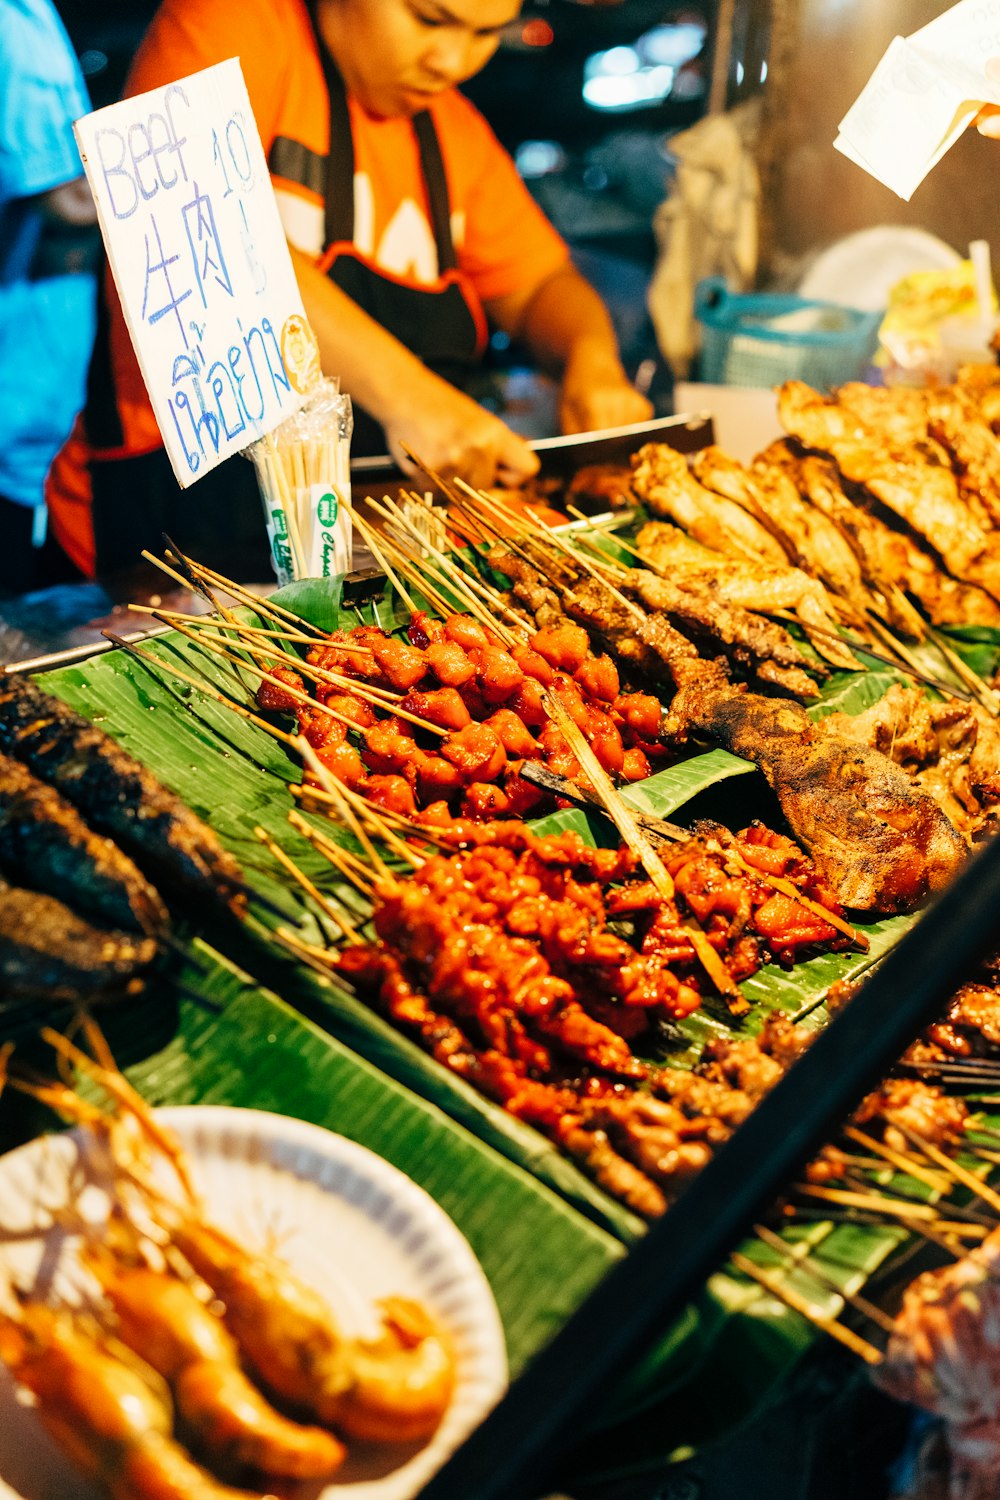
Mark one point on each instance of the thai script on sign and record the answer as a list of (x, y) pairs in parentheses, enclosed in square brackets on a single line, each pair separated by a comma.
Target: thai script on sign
[(200, 263)]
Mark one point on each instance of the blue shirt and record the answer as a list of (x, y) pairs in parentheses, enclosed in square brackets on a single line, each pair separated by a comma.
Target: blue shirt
[(46, 320)]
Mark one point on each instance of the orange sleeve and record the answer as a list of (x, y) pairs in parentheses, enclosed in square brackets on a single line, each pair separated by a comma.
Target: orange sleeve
[(508, 244), (185, 36)]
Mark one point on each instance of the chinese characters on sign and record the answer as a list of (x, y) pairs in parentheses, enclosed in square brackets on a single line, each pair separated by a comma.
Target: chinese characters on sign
[(201, 265)]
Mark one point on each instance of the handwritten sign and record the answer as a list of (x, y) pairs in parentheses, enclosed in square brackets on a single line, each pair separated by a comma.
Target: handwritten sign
[(201, 264)]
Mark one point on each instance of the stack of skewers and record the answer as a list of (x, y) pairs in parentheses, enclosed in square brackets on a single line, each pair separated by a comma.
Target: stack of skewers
[(638, 1128)]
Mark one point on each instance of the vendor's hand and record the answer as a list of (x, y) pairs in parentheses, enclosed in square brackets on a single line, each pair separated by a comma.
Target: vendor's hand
[(456, 436), (596, 393), (987, 122)]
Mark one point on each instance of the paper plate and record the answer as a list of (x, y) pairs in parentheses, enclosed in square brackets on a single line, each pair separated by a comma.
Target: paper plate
[(861, 269), (346, 1222)]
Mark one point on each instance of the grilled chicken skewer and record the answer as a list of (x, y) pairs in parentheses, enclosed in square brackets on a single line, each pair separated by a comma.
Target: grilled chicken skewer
[(925, 495), (881, 843), (117, 795), (45, 843), (759, 587)]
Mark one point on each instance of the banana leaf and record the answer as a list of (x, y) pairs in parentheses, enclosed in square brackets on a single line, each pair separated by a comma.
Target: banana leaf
[(238, 778)]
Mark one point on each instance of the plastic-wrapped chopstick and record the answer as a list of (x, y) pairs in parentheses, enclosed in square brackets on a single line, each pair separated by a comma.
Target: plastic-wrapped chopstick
[(304, 474)]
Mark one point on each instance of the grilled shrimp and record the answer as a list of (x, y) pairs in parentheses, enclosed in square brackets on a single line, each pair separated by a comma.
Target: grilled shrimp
[(400, 1384), (284, 1329), (394, 1388), (162, 1319), (109, 1416)]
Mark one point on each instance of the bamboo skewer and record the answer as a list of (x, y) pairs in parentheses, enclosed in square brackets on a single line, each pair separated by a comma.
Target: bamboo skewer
[(354, 870), (374, 819), (376, 696), (331, 785), (209, 623), (244, 596), (805, 1262), (199, 683), (872, 1202), (320, 959), (303, 880), (368, 533), (323, 674), (446, 570), (899, 1159), (948, 1164), (984, 694), (845, 1336)]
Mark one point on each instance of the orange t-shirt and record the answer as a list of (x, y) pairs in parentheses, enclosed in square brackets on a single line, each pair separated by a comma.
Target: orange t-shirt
[(503, 242)]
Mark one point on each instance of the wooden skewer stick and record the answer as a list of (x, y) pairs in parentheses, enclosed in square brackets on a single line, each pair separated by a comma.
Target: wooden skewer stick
[(420, 579), (899, 1159), (244, 596), (800, 1255), (424, 569), (435, 478), (323, 902), (209, 622), (349, 683), (368, 532), (951, 1167), (425, 833), (845, 1336), (354, 870), (446, 571), (189, 579), (374, 818), (376, 696), (320, 959), (202, 686), (873, 1202), (621, 815), (478, 502), (985, 694), (330, 784)]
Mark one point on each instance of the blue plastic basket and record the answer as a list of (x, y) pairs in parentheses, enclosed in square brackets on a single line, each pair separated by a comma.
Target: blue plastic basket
[(744, 343)]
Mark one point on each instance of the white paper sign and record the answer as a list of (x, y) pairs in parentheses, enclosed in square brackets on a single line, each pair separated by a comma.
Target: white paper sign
[(201, 264), (924, 93)]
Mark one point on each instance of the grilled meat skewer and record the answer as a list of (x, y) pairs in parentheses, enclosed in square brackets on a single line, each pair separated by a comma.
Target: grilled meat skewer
[(49, 953), (880, 842), (45, 844), (117, 795)]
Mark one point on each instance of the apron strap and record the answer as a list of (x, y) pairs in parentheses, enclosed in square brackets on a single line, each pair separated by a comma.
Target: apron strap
[(340, 164)]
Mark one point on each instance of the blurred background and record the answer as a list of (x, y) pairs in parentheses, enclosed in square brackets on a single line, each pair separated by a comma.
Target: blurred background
[(585, 96), (590, 95)]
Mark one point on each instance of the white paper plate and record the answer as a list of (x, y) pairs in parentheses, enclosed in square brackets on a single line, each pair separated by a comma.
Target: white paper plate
[(861, 269), (346, 1221)]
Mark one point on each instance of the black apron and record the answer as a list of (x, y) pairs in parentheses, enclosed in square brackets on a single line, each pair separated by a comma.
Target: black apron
[(219, 519), (442, 323)]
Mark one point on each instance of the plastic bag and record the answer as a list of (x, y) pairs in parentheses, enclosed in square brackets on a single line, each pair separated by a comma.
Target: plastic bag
[(304, 473)]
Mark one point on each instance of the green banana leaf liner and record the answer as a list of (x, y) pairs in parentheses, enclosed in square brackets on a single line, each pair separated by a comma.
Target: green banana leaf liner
[(238, 778)]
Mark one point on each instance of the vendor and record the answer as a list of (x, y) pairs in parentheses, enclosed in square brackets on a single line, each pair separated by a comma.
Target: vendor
[(410, 230)]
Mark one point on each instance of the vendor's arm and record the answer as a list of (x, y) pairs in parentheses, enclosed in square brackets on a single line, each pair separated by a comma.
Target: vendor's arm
[(71, 203), (418, 409), (567, 327)]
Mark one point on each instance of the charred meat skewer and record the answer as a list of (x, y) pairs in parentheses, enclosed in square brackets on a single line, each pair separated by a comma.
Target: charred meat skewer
[(881, 843), (117, 795), (45, 844), (47, 952)]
